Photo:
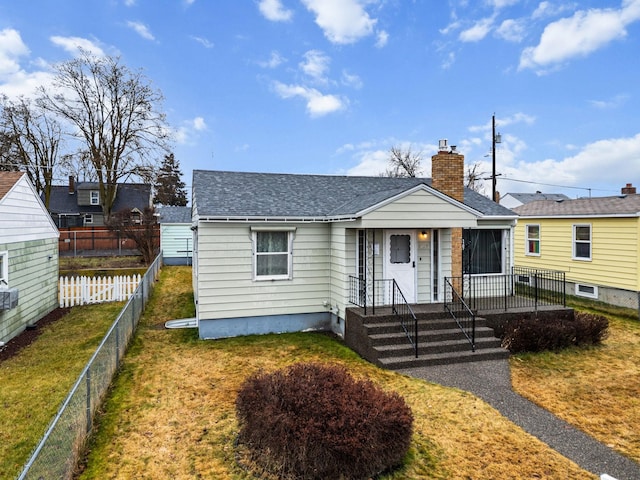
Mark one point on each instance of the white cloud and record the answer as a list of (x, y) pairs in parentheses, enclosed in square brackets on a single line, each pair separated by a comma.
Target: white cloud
[(129, 3), (342, 21), (318, 104), (382, 39), (370, 163), (275, 60), (186, 134), (585, 168), (11, 49), (478, 31), (203, 41), (502, 3), (141, 29), (351, 80), (73, 45), (512, 30), (315, 65), (274, 11), (579, 35), (614, 102), (199, 124)]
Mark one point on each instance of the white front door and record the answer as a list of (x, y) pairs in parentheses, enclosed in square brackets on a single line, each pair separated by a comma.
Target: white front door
[(400, 261)]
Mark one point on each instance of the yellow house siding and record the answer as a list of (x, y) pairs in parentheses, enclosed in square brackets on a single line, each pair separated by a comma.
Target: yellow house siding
[(225, 278), (614, 250)]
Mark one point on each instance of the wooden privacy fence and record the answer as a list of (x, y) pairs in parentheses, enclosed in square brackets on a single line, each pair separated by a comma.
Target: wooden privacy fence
[(85, 290)]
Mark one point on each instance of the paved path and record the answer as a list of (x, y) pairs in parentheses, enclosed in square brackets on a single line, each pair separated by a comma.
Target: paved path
[(491, 381)]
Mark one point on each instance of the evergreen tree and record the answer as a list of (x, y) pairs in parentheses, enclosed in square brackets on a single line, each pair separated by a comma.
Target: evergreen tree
[(169, 187)]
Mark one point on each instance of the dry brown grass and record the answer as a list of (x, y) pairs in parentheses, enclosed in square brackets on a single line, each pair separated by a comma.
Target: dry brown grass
[(595, 389), (171, 413)]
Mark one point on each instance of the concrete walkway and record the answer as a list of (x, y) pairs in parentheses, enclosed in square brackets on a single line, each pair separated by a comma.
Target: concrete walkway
[(491, 381)]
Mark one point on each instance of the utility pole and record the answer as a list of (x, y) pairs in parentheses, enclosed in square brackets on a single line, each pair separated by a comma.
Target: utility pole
[(495, 138)]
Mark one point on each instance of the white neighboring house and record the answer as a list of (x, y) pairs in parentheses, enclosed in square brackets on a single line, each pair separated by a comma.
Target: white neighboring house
[(176, 237), (514, 200), (277, 252), (28, 256)]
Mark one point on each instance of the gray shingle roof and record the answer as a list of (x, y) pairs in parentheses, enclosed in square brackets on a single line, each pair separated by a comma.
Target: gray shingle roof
[(616, 205), (533, 197), (129, 195), (174, 214), (245, 194)]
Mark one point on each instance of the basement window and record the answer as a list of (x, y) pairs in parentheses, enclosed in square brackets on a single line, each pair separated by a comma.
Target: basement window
[(589, 291)]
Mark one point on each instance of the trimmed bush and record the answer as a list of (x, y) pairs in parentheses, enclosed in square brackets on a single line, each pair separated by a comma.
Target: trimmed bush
[(531, 335), (315, 421)]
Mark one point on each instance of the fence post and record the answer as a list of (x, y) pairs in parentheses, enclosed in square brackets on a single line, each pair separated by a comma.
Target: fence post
[(88, 385)]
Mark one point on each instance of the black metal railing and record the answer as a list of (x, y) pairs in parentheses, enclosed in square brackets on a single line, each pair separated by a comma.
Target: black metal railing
[(524, 288), (460, 311), (404, 313), (385, 293)]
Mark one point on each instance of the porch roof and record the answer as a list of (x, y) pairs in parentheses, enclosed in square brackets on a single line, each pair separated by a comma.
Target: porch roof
[(244, 194)]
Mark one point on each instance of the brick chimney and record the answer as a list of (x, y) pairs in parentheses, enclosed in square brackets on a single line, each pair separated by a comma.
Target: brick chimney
[(72, 185), (629, 190), (447, 176)]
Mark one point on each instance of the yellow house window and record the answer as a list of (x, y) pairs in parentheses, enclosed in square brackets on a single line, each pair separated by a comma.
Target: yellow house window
[(582, 242), (533, 240)]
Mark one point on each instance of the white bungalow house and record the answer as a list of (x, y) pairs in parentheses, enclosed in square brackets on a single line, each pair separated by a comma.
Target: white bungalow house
[(28, 256), (275, 252)]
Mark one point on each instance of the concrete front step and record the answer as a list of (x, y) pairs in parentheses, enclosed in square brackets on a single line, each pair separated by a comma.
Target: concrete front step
[(399, 337), (409, 361), (448, 346)]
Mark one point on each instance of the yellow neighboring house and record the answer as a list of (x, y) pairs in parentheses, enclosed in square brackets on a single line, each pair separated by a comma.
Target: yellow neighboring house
[(596, 241)]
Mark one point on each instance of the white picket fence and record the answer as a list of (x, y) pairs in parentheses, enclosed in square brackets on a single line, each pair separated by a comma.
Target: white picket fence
[(84, 290)]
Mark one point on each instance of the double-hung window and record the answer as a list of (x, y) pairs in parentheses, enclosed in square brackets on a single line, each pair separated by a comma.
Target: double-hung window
[(582, 242), (4, 269), (272, 253), (532, 240), (94, 197)]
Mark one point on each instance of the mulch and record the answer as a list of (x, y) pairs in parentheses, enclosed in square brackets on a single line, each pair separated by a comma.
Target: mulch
[(26, 338)]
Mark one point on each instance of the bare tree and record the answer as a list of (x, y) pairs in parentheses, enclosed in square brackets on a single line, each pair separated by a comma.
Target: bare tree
[(114, 112), (473, 178), (404, 163), (142, 228), (32, 140)]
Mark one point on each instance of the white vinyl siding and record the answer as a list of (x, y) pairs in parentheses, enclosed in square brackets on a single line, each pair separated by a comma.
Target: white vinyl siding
[(176, 240), (419, 209), (225, 284)]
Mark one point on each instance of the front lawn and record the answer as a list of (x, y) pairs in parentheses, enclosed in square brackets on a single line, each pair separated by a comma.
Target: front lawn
[(171, 412), (596, 389)]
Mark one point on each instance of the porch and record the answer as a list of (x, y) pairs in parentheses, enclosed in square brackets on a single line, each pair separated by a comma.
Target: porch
[(386, 330)]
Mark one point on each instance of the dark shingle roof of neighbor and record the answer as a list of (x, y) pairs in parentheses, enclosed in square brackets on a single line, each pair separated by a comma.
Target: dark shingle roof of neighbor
[(219, 194), (129, 195), (615, 205), (532, 197), (174, 214)]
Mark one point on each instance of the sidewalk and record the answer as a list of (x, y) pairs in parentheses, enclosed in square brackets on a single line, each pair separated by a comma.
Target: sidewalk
[(491, 381)]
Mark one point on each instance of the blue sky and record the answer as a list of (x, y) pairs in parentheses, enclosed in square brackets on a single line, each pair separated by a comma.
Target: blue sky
[(328, 86)]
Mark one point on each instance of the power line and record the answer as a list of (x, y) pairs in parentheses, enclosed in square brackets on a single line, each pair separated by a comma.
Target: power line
[(556, 185)]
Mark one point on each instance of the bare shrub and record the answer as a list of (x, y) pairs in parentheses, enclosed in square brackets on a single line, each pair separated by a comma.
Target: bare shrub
[(314, 421)]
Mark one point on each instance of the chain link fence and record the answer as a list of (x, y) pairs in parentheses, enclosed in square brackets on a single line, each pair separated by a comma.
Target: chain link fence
[(57, 454)]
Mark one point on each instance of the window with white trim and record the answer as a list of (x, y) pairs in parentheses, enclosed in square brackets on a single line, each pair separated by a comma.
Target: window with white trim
[(482, 251), (582, 242), (272, 254), (94, 198), (4, 269), (533, 240), (589, 291), (88, 219)]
